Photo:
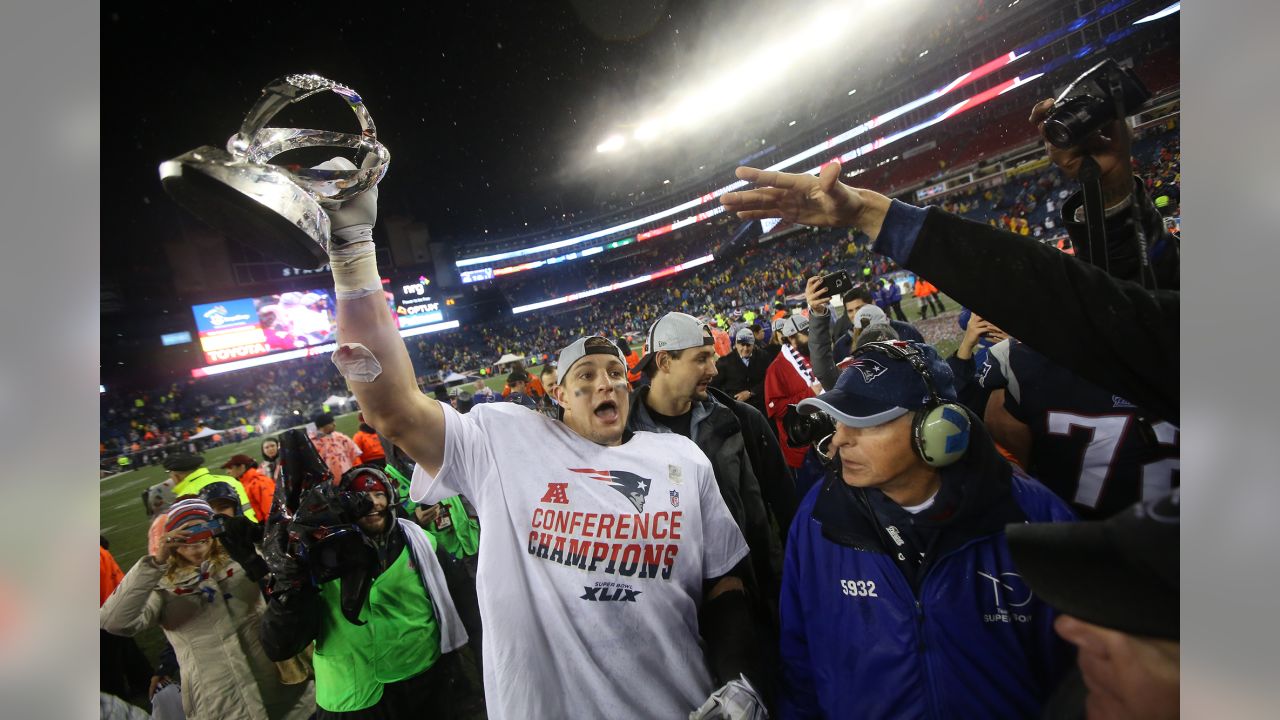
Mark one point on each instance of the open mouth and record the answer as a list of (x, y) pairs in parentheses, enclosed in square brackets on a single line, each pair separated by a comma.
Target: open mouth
[(607, 411)]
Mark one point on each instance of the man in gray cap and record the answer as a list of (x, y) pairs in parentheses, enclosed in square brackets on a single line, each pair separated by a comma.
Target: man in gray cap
[(680, 362), (741, 372), (608, 559)]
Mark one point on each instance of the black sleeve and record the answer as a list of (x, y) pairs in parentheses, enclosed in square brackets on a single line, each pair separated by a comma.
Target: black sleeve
[(729, 631), (722, 373), (777, 485), (290, 623), (240, 534), (755, 375), (968, 391), (821, 355), (1113, 333)]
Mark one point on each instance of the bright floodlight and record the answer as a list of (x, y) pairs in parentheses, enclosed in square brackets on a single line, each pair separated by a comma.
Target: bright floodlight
[(611, 144), (268, 421), (723, 90), (1162, 14), (647, 131)]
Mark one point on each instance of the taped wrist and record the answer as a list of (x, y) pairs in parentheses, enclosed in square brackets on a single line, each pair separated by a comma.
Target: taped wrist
[(355, 269)]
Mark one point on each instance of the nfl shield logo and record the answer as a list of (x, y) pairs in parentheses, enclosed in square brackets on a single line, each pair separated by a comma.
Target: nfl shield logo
[(675, 497)]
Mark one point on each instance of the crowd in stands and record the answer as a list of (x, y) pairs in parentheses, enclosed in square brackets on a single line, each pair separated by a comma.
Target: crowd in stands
[(143, 426)]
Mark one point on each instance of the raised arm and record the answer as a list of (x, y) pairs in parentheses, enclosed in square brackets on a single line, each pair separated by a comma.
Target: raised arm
[(1048, 299), (821, 354), (371, 355)]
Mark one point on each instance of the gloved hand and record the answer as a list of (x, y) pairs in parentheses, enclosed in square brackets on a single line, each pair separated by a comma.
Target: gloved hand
[(286, 574), (238, 538), (735, 700), (351, 253), (350, 221)]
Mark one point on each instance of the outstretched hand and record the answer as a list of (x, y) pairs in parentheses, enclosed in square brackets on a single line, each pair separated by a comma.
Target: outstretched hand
[(821, 201)]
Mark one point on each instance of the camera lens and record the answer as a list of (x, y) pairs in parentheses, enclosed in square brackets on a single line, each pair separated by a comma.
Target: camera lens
[(1075, 120)]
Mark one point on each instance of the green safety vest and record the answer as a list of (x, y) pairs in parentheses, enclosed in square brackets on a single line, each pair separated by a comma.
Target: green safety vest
[(400, 638), (462, 538), (123, 461), (192, 483)]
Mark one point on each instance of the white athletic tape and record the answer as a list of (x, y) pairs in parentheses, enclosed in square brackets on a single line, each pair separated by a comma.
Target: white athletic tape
[(355, 270), (355, 362)]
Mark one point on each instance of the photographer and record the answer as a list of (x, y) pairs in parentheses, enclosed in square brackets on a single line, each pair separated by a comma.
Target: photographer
[(382, 616), (209, 608), (1122, 193)]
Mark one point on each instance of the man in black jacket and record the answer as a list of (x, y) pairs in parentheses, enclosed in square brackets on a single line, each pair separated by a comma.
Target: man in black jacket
[(740, 374), (749, 467)]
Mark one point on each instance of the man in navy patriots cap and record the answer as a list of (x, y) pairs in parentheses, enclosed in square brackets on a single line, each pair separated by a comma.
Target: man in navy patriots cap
[(900, 597)]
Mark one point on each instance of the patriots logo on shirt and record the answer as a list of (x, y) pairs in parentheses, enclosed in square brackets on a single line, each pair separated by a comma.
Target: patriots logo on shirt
[(869, 368), (632, 486)]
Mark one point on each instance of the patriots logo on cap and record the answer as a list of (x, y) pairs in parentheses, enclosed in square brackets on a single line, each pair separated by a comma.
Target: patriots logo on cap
[(869, 368), (632, 486)]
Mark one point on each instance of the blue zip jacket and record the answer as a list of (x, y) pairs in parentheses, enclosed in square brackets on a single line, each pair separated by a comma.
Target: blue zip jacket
[(972, 642)]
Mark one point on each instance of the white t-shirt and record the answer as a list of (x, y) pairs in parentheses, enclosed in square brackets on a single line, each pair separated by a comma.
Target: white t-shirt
[(592, 561)]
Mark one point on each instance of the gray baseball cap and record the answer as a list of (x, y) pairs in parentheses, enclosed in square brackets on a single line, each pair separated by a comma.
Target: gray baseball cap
[(794, 324), (872, 313), (582, 347), (675, 331), (746, 336)]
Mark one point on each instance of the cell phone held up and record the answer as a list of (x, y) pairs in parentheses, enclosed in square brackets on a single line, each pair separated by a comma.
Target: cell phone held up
[(837, 283), (204, 531)]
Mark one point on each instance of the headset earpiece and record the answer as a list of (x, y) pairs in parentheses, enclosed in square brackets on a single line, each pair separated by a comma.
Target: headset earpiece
[(940, 431), (940, 434)]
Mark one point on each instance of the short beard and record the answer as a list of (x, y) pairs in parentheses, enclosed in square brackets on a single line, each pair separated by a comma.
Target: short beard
[(802, 348)]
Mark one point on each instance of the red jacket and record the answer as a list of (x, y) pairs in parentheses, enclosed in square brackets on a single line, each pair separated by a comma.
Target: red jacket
[(261, 491), (109, 575), (370, 446), (783, 386)]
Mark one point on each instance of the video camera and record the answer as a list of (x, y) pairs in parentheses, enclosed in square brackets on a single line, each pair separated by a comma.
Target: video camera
[(301, 469), (816, 430), (1103, 93), (324, 535)]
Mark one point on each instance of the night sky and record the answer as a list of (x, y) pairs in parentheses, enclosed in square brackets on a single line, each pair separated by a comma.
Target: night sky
[(481, 108)]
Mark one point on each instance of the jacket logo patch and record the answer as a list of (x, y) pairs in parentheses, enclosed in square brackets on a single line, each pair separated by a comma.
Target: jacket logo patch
[(675, 498), (1010, 595)]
